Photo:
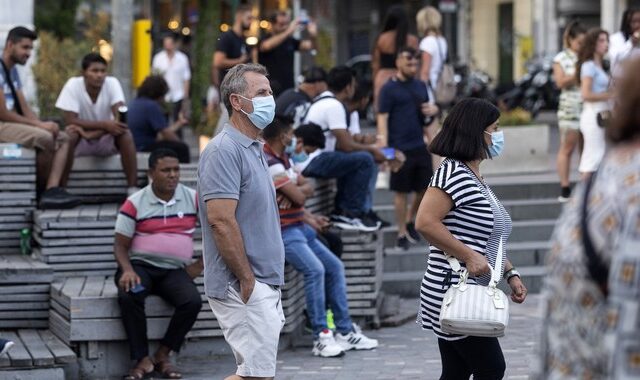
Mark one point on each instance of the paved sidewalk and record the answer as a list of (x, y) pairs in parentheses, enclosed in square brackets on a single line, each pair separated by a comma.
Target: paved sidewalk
[(405, 352)]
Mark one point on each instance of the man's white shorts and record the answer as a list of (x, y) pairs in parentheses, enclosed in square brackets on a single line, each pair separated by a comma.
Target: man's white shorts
[(253, 329)]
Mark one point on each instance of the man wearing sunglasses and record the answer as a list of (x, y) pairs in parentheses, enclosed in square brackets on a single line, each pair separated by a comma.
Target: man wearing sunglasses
[(404, 114)]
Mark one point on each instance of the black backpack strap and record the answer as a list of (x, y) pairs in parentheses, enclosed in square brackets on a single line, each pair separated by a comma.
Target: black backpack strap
[(319, 98), (598, 270), (16, 100)]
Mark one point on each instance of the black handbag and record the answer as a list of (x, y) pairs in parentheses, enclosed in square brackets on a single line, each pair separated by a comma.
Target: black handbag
[(603, 118)]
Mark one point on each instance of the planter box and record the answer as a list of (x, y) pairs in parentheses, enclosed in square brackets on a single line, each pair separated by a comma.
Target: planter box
[(526, 151)]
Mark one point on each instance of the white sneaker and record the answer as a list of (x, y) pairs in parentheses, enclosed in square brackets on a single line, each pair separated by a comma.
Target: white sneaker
[(326, 346), (356, 340)]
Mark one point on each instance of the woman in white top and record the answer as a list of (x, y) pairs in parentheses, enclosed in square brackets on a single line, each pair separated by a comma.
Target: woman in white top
[(622, 42), (594, 88), (433, 46), (564, 74)]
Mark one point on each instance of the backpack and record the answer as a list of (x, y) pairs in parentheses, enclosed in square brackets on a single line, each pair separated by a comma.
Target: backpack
[(317, 99), (445, 90)]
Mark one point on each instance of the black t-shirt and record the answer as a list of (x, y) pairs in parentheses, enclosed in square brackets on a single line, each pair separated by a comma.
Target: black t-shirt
[(402, 100), (233, 46), (279, 63), (293, 104)]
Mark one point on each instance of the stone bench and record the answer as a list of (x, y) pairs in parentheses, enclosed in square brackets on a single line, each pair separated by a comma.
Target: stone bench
[(17, 195), (101, 179), (38, 354), (85, 309), (85, 315), (24, 292)]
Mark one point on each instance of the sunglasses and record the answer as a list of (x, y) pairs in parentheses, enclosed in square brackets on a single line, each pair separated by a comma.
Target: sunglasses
[(410, 56)]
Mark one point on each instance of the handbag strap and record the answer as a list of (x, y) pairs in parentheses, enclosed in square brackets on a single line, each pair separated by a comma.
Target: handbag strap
[(598, 270), (495, 271), (16, 100)]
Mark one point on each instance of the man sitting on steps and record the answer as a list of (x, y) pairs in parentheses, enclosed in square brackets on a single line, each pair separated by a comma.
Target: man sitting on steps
[(20, 125), (90, 108), (153, 248), (324, 274), (353, 164)]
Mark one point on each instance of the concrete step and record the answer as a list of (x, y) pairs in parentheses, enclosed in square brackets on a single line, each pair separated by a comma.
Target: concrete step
[(403, 269), (521, 254), (507, 187), (407, 284), (523, 230), (532, 230), (519, 209)]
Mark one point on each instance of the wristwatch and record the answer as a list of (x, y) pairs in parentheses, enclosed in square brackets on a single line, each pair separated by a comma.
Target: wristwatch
[(510, 273)]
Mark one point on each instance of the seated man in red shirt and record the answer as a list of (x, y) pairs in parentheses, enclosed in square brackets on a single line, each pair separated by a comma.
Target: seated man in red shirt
[(153, 248)]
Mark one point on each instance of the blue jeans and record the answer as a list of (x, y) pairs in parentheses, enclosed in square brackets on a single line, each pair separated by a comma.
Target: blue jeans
[(355, 172), (323, 277)]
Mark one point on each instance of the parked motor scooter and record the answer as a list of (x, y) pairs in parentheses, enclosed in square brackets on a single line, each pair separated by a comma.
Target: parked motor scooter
[(473, 83), (534, 91)]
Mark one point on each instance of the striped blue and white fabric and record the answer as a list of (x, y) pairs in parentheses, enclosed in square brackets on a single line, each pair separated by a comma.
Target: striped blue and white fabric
[(477, 219)]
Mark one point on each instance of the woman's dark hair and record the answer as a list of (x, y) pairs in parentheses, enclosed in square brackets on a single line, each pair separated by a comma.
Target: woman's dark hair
[(397, 19), (92, 58), (625, 22), (571, 31), (462, 134), (159, 154), (588, 49), (311, 135), (363, 90), (625, 125), (153, 87), (277, 127)]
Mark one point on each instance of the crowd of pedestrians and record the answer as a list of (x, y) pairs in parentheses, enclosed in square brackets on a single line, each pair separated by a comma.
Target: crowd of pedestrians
[(273, 135)]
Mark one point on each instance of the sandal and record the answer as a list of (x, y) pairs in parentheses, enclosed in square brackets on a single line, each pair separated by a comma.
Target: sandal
[(168, 370), (138, 372)]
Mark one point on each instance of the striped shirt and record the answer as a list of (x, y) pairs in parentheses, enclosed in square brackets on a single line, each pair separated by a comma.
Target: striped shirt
[(161, 231), (478, 220), (282, 172)]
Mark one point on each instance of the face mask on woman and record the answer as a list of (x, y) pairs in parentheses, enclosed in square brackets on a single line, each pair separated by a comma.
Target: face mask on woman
[(497, 143)]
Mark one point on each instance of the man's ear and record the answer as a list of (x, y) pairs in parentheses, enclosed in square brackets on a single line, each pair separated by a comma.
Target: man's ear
[(236, 102)]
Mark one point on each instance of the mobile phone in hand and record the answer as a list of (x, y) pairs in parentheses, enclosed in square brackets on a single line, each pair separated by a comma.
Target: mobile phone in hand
[(137, 288), (389, 153)]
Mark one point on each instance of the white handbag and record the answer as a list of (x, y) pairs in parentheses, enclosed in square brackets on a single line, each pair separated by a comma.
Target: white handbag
[(475, 310)]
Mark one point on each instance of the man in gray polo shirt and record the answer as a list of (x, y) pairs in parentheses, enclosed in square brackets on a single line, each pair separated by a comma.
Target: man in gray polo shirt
[(243, 249)]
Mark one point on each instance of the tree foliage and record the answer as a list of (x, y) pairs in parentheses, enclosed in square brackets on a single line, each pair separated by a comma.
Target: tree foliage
[(204, 45), (57, 17)]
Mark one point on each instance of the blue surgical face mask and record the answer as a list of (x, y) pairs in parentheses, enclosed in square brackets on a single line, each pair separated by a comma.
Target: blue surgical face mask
[(264, 110), (291, 148), (299, 157), (497, 143)]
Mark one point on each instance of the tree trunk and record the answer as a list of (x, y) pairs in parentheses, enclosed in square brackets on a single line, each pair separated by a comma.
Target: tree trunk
[(205, 39)]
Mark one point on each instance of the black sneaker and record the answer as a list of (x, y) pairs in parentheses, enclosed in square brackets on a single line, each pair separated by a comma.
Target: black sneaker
[(376, 218), (565, 194), (403, 243), (413, 235), (58, 198), (346, 221)]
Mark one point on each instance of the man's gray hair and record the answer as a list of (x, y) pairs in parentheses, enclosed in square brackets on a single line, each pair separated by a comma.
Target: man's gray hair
[(235, 83)]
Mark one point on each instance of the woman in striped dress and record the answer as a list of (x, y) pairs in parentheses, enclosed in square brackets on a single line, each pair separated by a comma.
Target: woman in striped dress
[(461, 216)]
